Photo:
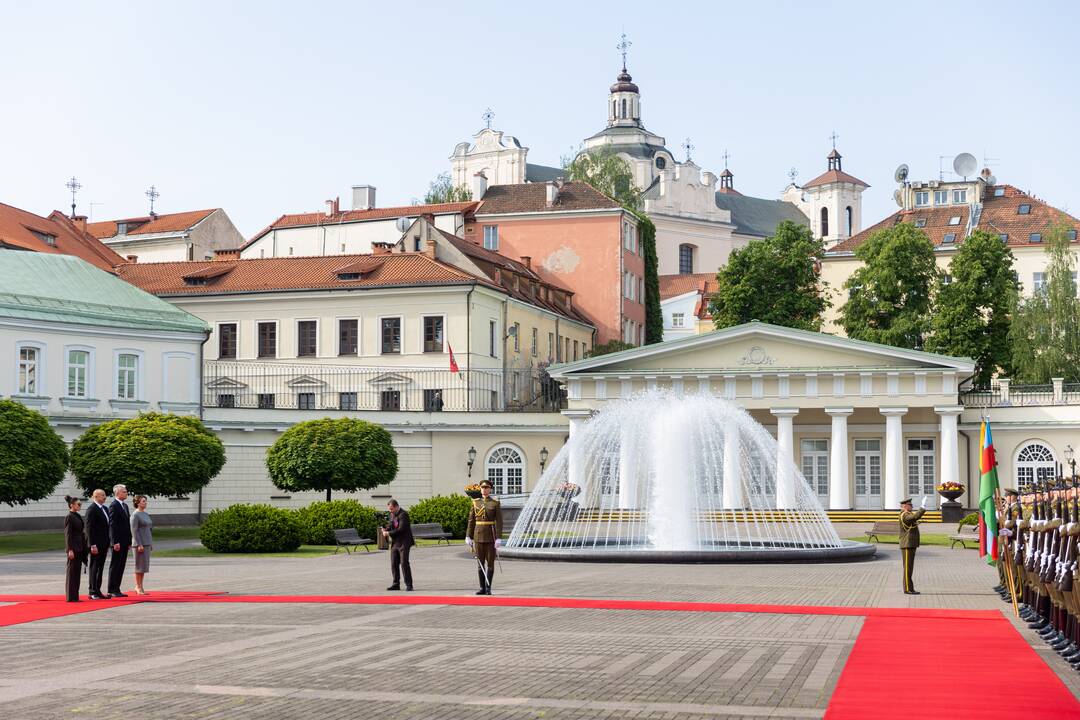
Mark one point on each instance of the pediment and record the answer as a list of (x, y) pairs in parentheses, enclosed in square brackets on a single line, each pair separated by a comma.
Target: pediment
[(305, 381), (225, 383), (390, 379)]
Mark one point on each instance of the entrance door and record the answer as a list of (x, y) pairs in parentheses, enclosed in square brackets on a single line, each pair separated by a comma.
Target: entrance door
[(867, 474), (815, 467), (920, 472)]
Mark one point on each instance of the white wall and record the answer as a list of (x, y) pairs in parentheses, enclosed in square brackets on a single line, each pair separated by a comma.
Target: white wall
[(356, 237), (684, 304)]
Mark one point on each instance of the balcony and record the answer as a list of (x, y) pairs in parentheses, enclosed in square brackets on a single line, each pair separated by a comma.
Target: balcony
[(299, 386), (1003, 393)]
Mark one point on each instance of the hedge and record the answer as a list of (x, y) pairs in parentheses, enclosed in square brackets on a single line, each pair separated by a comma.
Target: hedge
[(319, 520), (452, 512), (251, 528)]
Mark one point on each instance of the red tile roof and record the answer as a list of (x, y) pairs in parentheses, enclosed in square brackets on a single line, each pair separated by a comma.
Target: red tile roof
[(675, 285), (833, 176), (999, 216), (146, 225), (532, 197), (17, 229)]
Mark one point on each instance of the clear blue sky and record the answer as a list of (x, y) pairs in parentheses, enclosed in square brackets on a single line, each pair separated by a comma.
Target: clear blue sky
[(272, 107)]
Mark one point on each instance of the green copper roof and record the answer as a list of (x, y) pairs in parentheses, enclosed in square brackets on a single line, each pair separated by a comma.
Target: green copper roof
[(63, 288)]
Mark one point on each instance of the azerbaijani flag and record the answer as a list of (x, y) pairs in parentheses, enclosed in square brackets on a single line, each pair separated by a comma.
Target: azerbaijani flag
[(988, 485)]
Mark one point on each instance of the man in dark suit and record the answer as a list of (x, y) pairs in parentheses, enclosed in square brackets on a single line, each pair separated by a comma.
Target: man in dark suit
[(401, 541), (97, 539), (120, 539)]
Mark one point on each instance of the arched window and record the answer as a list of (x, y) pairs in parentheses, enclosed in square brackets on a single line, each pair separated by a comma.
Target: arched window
[(614, 109), (824, 222), (506, 469), (1034, 463), (686, 259), (624, 107), (850, 222)]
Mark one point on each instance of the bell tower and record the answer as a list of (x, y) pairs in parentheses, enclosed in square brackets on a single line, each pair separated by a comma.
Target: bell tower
[(624, 100)]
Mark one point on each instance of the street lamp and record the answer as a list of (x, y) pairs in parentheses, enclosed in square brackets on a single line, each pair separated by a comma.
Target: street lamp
[(471, 458), (1070, 457), (543, 459)]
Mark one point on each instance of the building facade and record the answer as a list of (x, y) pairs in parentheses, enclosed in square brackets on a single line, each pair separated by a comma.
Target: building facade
[(194, 235), (684, 304)]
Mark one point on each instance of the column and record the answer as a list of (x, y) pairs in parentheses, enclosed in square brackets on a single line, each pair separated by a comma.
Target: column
[(839, 479), (575, 471), (733, 499), (628, 464), (950, 457), (786, 495), (894, 456)]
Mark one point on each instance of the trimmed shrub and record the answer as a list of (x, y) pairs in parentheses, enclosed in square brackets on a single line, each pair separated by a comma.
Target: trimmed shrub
[(969, 519), (33, 457), (251, 528), (450, 511), (319, 520)]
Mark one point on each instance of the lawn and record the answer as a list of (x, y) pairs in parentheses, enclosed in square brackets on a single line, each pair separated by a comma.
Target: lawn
[(924, 539), (304, 551), (25, 542)]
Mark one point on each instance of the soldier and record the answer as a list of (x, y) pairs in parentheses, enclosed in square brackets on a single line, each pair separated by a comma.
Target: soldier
[(1009, 518), (909, 539), (484, 535)]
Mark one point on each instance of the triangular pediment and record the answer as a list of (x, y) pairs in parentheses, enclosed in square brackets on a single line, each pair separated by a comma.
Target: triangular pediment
[(305, 381), (225, 383), (390, 379)]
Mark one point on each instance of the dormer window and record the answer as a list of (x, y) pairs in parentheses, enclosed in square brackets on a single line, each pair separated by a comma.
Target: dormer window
[(959, 196), (954, 220), (922, 198), (920, 222), (1004, 237), (121, 228), (941, 197), (46, 238), (349, 276), (1035, 237), (999, 192), (201, 280), (1023, 209), (949, 238)]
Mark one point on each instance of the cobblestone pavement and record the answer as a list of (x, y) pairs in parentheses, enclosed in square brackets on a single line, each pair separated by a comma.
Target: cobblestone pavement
[(444, 662)]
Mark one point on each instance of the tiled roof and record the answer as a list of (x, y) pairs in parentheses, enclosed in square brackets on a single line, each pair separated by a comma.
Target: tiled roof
[(758, 216), (147, 225), (999, 216), (833, 176), (532, 197), (16, 228), (675, 285), (293, 273)]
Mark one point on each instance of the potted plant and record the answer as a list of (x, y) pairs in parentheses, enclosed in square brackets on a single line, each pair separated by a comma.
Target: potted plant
[(950, 490)]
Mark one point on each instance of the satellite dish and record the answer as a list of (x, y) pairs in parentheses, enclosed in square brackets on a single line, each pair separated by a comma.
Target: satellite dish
[(898, 196), (991, 180), (901, 173), (965, 164), (403, 224)]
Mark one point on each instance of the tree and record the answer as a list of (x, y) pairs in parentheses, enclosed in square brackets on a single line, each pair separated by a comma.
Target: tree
[(33, 457), (973, 305), (605, 171), (344, 454), (889, 296), (443, 190), (152, 454), (654, 318), (774, 280), (611, 346), (1045, 332)]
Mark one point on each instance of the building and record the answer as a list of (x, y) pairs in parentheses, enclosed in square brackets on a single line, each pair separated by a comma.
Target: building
[(194, 235), (832, 201), (54, 235), (684, 304), (86, 347)]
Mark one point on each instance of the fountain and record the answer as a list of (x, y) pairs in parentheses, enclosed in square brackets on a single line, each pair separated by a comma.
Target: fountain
[(668, 478)]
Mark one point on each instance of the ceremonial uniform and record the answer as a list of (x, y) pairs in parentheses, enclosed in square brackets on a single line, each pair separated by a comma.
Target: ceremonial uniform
[(909, 541), (485, 527)]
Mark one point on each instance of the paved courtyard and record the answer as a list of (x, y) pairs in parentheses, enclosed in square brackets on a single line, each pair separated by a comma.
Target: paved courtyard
[(240, 660)]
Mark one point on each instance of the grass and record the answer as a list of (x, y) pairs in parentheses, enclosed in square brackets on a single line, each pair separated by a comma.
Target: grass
[(26, 542), (924, 539), (305, 551)]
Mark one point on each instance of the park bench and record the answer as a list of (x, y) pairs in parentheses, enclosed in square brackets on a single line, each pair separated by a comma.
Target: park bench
[(883, 528), (349, 538), (968, 533), (431, 531)]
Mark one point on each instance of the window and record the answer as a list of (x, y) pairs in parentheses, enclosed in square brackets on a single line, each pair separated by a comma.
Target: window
[(534, 342), (305, 401), (348, 337), (954, 220), (920, 471), (1038, 282), (127, 370), (867, 472), (946, 279), (433, 400), (686, 259), (433, 334), (824, 222), (629, 239), (307, 338), (661, 163), (390, 400), (29, 357), (227, 346), (941, 197), (343, 247), (949, 238), (517, 337), (1004, 237), (391, 335), (121, 228), (290, 250), (678, 320), (347, 401), (999, 192), (551, 347), (922, 198), (815, 464), (78, 367), (850, 220), (566, 350), (1035, 237), (266, 401), (1034, 463), (416, 243), (959, 196), (491, 237), (506, 470), (1023, 209), (575, 349), (623, 114), (920, 222), (1070, 235), (491, 338), (267, 333), (46, 238), (226, 400)]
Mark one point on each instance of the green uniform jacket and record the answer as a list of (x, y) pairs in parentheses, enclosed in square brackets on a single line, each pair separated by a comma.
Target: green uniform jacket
[(909, 528), (485, 520)]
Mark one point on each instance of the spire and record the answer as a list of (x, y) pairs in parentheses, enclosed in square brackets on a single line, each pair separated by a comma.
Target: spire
[(624, 102)]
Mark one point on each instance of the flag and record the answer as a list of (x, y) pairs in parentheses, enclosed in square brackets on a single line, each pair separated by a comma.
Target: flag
[(453, 363), (988, 486)]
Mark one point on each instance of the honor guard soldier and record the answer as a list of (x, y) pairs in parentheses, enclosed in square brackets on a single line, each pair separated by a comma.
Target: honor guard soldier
[(1010, 514), (484, 535), (909, 540)]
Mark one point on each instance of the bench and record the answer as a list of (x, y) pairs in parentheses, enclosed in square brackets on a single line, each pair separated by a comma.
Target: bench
[(968, 533), (431, 531), (883, 528), (349, 538)]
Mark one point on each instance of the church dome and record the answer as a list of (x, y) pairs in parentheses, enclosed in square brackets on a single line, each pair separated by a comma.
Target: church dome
[(624, 83)]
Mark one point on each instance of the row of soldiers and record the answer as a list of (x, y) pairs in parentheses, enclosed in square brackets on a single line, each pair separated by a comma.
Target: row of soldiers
[(1039, 533)]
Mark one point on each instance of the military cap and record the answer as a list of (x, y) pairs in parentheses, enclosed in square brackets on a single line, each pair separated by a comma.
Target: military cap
[(906, 501), (1010, 491), (486, 483)]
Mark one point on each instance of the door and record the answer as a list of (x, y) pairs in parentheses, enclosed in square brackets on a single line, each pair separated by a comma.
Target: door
[(868, 474), (921, 478), (815, 467)]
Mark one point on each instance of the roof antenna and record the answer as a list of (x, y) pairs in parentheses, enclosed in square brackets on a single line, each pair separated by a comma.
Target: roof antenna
[(74, 186)]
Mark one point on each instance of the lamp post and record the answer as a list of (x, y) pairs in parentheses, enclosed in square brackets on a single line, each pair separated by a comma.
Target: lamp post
[(1070, 457), (543, 459), (470, 458)]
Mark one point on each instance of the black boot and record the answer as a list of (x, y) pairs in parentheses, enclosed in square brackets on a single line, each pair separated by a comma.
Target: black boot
[(483, 582)]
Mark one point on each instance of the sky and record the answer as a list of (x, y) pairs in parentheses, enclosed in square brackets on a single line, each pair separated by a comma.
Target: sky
[(265, 108)]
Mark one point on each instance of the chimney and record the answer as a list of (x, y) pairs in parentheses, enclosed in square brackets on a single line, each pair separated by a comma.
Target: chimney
[(429, 248), (337, 204), (479, 185), (329, 208), (526, 260), (498, 277), (133, 258), (552, 193), (363, 197), (233, 254), (381, 248), (80, 222)]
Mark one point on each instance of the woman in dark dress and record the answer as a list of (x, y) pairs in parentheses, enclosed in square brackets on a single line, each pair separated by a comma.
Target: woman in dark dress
[(75, 542)]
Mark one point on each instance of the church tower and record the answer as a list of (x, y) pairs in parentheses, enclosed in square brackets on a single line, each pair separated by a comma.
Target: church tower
[(833, 201), (624, 101)]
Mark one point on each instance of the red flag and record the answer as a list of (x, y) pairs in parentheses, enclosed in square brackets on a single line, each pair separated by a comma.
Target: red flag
[(453, 363)]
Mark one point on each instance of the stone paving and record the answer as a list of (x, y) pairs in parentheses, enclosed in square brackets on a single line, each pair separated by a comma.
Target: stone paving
[(438, 661)]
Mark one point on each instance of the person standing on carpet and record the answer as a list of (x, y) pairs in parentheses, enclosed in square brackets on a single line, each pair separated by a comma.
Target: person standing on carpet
[(75, 542), (909, 540), (97, 540), (142, 538), (484, 535), (120, 539), (399, 530)]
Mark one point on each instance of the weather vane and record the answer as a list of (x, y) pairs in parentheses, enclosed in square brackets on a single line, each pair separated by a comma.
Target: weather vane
[(833, 137), (688, 147), (623, 46), (487, 117), (74, 186), (793, 173), (153, 194)]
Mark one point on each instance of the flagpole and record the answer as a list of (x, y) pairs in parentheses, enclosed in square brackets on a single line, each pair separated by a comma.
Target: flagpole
[(1006, 558)]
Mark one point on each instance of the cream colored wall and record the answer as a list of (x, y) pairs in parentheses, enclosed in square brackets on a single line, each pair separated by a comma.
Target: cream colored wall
[(172, 249), (713, 243), (357, 237), (520, 355)]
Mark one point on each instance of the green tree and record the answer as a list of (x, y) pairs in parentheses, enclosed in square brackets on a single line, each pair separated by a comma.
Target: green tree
[(605, 171), (1045, 333), (889, 297), (344, 454), (973, 305), (611, 346), (774, 280), (33, 457), (443, 190), (152, 454), (654, 318)]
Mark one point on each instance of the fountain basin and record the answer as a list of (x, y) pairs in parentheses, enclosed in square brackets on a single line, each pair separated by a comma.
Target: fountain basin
[(846, 551)]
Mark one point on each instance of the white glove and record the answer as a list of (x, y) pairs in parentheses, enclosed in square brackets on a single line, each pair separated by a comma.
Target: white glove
[(468, 542), (923, 503), (498, 542), (1005, 532)]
